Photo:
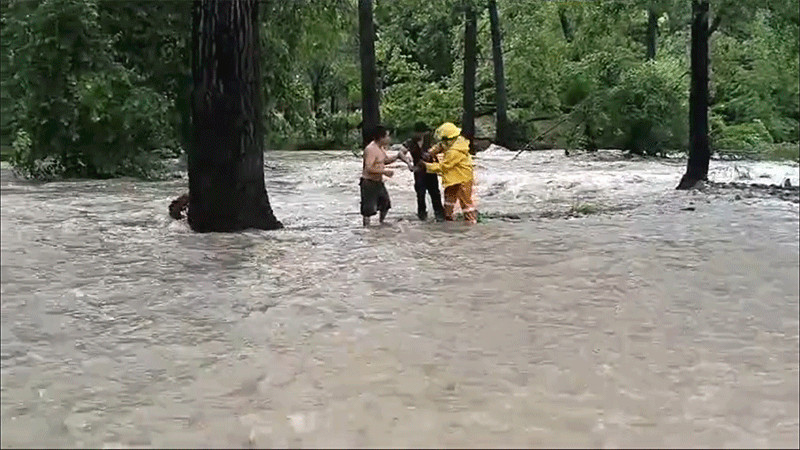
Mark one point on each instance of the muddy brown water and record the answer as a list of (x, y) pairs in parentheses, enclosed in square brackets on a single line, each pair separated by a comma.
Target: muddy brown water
[(640, 324)]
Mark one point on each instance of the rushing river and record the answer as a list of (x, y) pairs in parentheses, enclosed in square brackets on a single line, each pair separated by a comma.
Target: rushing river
[(640, 324)]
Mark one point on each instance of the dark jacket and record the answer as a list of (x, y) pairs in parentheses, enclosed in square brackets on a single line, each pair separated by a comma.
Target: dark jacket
[(420, 153)]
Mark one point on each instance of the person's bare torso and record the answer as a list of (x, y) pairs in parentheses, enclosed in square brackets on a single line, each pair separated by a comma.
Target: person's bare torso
[(374, 157)]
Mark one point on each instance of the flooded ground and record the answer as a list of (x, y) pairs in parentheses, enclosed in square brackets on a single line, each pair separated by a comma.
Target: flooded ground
[(640, 324)]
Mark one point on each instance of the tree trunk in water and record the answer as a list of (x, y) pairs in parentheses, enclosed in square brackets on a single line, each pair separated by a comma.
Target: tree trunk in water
[(652, 34), (470, 66), (370, 112), (226, 158), (503, 129), (699, 151)]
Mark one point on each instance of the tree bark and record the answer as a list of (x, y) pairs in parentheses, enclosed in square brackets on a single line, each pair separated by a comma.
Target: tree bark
[(699, 151), (652, 34), (503, 135), (714, 24), (370, 112), (226, 158), (470, 67), (316, 98), (566, 25)]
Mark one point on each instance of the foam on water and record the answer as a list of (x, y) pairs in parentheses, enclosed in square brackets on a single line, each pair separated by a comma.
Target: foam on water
[(643, 325)]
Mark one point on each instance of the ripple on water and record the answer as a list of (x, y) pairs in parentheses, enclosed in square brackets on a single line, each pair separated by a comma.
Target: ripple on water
[(640, 325)]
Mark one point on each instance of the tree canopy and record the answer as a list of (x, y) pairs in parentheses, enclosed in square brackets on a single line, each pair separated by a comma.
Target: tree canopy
[(100, 88)]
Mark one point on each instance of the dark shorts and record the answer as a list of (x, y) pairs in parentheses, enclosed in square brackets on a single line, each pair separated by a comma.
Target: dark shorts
[(374, 197)]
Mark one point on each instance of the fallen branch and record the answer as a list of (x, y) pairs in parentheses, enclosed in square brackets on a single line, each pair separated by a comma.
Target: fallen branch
[(525, 147)]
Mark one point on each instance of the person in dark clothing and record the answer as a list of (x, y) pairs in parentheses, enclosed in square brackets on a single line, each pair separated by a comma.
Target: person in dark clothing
[(418, 146)]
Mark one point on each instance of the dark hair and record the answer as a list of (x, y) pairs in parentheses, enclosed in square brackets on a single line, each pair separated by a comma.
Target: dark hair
[(379, 132), (420, 127)]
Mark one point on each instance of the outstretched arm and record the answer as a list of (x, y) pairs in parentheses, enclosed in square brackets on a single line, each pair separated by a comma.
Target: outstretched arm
[(404, 155), (449, 161), (436, 149), (391, 159)]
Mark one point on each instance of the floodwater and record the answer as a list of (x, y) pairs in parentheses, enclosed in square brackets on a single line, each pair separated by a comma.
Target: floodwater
[(639, 324)]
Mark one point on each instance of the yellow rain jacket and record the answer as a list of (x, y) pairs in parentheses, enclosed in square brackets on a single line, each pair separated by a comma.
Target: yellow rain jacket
[(456, 165)]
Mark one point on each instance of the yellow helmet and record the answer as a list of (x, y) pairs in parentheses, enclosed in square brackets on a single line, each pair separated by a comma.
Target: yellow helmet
[(447, 131)]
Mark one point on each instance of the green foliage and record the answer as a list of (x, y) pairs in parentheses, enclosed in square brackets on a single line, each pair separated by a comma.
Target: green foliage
[(648, 108), (101, 87), (784, 151), (414, 99), (152, 39), (310, 71), (746, 137), (594, 69), (755, 78), (76, 112), (752, 140)]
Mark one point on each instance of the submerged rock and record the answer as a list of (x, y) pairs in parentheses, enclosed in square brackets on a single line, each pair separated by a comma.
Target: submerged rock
[(784, 191)]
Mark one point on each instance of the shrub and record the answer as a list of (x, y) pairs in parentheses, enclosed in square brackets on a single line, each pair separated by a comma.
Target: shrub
[(78, 114), (744, 136), (649, 108)]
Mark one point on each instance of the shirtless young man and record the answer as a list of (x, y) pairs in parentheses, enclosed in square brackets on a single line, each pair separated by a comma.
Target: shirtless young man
[(374, 197)]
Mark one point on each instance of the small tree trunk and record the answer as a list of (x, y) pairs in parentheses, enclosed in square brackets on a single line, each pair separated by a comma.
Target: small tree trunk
[(370, 112), (503, 127), (652, 34), (316, 99), (591, 139), (226, 159), (699, 151), (470, 66), (566, 26)]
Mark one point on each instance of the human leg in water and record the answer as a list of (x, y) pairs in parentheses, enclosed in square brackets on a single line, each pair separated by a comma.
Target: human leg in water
[(432, 186), (450, 199), (374, 199), (384, 203), (419, 188), (460, 193), (464, 196)]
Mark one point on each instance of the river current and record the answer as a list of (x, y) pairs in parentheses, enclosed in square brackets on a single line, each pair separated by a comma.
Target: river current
[(593, 305)]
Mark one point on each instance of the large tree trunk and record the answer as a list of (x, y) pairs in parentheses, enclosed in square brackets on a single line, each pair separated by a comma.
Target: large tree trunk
[(699, 151), (226, 158), (503, 128), (370, 112), (652, 33), (470, 66)]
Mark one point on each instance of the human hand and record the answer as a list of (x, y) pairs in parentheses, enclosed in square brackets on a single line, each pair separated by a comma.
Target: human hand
[(388, 172)]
